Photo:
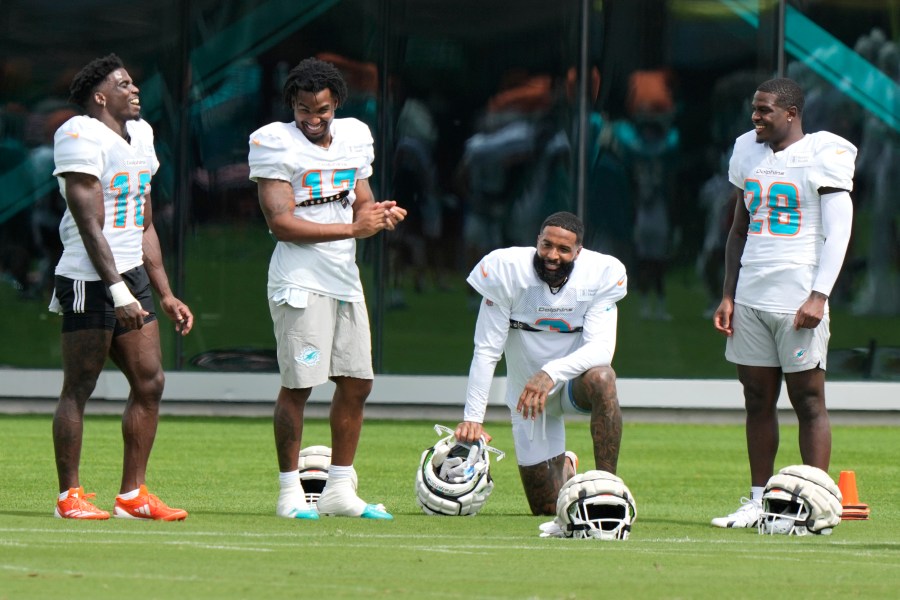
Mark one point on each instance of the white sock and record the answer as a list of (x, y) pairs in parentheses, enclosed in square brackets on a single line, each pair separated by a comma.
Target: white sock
[(338, 473), (289, 480), (339, 497), (290, 496), (130, 495), (64, 495), (291, 490), (756, 492)]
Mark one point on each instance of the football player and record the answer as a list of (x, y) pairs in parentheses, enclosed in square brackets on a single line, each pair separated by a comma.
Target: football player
[(111, 259), (552, 311), (784, 252), (313, 180)]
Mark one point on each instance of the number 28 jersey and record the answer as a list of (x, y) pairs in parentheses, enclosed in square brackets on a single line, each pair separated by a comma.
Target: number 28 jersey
[(85, 145), (781, 194)]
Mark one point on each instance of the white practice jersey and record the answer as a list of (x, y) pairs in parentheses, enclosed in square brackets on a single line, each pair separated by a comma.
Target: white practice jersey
[(781, 193), (85, 145), (576, 327), (281, 151)]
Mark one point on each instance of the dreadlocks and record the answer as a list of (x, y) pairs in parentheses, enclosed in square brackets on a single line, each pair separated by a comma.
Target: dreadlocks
[(314, 75)]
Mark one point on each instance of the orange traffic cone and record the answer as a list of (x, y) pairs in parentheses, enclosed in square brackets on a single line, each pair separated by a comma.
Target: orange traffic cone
[(854, 510)]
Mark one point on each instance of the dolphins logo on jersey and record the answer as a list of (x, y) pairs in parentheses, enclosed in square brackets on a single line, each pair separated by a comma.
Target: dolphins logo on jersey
[(309, 356)]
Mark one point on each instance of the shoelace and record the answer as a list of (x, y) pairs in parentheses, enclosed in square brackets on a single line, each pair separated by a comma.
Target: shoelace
[(81, 497), (81, 501)]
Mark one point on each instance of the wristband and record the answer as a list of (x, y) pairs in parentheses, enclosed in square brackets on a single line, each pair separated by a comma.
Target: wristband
[(121, 295)]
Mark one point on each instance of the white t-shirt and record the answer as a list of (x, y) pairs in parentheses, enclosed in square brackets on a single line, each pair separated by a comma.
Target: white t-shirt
[(781, 193), (85, 145), (281, 151), (511, 289)]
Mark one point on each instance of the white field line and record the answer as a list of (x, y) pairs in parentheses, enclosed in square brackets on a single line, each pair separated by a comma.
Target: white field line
[(338, 534), (800, 550)]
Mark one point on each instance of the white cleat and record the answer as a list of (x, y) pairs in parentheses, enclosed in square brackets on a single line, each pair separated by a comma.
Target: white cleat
[(344, 503), (746, 516)]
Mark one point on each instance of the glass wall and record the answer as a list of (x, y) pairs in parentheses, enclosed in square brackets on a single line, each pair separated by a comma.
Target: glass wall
[(487, 117)]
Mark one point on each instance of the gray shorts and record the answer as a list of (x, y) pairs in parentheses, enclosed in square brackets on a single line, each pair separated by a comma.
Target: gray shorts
[(328, 338), (766, 339)]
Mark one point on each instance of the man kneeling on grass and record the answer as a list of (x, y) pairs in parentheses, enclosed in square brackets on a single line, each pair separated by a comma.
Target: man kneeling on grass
[(552, 311)]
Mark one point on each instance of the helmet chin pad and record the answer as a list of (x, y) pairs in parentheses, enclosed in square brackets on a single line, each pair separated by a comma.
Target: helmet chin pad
[(800, 500), (597, 505)]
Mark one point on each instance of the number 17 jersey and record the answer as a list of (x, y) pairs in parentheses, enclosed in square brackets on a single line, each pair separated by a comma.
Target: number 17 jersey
[(781, 194)]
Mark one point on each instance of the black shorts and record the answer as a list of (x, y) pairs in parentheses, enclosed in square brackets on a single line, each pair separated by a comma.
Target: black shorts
[(89, 305)]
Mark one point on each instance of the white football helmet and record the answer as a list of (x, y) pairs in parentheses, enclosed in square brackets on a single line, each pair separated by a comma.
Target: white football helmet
[(454, 478), (314, 463), (798, 500), (595, 504)]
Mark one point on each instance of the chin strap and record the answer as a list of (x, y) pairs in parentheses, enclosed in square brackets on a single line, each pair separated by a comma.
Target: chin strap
[(442, 430)]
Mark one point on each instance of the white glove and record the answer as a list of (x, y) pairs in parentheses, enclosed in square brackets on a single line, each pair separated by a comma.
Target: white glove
[(551, 529)]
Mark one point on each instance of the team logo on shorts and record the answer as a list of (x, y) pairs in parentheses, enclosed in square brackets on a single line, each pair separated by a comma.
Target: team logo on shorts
[(309, 356), (799, 354)]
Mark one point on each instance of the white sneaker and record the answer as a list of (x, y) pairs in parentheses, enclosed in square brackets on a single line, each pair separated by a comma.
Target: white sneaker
[(343, 502), (551, 529), (746, 516), (294, 506)]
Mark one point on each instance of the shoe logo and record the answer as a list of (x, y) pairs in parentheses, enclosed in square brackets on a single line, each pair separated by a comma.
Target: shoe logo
[(142, 510)]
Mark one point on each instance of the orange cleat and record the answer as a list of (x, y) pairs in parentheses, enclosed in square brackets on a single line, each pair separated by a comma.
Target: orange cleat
[(147, 506), (573, 458), (76, 506)]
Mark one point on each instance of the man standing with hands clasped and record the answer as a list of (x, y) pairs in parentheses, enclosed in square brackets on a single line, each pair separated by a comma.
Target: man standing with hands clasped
[(313, 180)]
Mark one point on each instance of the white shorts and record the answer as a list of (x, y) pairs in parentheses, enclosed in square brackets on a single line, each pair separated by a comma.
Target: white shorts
[(327, 338), (540, 440), (767, 339)]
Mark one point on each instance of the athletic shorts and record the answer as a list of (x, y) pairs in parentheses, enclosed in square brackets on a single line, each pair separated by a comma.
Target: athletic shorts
[(327, 338), (540, 440), (89, 305), (767, 339)]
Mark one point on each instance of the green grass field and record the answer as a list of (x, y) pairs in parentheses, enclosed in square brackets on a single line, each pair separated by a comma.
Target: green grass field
[(232, 545)]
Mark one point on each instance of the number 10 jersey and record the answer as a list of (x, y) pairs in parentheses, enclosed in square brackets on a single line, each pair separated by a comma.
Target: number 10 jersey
[(85, 145)]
